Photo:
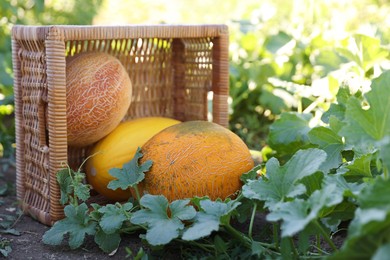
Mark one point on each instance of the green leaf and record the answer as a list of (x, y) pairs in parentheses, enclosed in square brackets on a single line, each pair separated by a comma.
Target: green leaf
[(382, 252), (364, 50), (112, 218), (329, 60), (358, 168), (286, 248), (312, 182), (203, 226), (274, 102), (209, 219), (297, 214), (3, 189), (370, 228), (131, 174), (338, 109), (282, 182), (76, 223), (7, 221), (277, 41), (220, 245), (374, 195), (11, 231), (5, 248), (71, 185), (289, 133), (366, 126), (107, 242), (372, 234), (163, 220), (349, 189), (257, 249), (293, 214), (331, 143), (81, 190), (304, 238), (344, 211), (384, 151), (251, 175), (39, 7)]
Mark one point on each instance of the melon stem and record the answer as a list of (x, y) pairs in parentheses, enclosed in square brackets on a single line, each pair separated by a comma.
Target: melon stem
[(252, 220), (325, 235), (138, 196)]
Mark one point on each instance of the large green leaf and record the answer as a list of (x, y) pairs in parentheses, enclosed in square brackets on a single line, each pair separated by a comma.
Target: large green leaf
[(331, 143), (297, 214), (367, 126), (71, 183), (164, 221), (130, 174), (289, 132), (209, 219), (113, 216), (337, 109), (107, 242), (77, 224), (382, 252), (364, 50), (282, 182), (358, 168), (370, 228)]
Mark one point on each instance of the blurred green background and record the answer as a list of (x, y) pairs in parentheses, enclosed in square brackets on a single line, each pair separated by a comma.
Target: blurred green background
[(284, 55)]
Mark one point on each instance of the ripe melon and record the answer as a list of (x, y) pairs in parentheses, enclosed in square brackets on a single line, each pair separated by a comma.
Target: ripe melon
[(119, 147), (98, 96), (195, 158)]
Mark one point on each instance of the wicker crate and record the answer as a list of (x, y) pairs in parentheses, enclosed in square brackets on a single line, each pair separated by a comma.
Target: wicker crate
[(172, 68)]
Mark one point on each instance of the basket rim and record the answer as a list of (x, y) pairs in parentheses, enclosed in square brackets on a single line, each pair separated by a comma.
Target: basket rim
[(88, 32)]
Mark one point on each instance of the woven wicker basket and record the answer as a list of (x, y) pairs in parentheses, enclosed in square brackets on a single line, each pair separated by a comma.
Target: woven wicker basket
[(172, 68)]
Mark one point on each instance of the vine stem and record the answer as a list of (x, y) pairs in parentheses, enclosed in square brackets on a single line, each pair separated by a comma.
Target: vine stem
[(138, 196), (238, 235), (132, 229), (275, 232), (294, 249), (325, 235), (252, 220), (245, 240), (318, 240), (206, 247), (72, 199), (300, 106)]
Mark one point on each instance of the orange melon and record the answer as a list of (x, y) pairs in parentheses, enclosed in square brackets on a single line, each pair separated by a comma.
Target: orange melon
[(98, 96), (119, 147), (195, 158)]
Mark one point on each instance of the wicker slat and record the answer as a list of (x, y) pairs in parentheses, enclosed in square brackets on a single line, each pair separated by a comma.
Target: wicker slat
[(173, 69)]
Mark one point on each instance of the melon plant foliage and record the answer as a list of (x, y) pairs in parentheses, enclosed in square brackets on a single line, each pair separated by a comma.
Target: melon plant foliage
[(335, 179)]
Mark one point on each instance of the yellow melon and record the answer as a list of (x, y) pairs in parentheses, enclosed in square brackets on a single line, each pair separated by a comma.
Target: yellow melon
[(119, 147), (98, 96)]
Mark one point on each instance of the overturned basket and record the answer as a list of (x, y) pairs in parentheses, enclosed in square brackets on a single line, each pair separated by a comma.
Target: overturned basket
[(173, 70)]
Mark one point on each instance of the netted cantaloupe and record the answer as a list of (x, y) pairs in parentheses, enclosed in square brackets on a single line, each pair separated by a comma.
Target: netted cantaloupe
[(119, 147), (98, 96), (195, 158)]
